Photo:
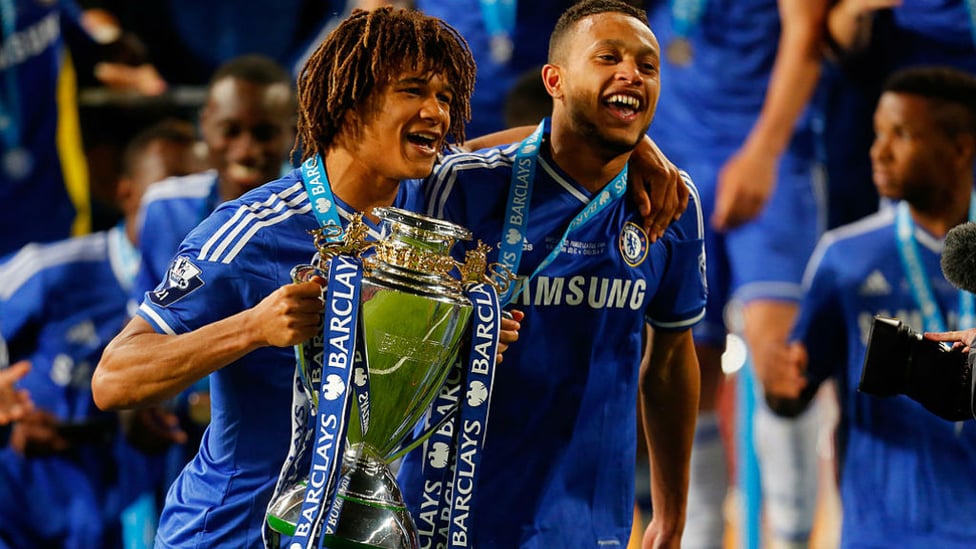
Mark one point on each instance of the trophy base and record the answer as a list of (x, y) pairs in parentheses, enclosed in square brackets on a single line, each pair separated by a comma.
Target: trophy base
[(369, 511)]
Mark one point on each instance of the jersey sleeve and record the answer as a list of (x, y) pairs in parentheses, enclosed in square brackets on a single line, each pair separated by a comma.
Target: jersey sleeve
[(198, 288), (820, 324), (156, 252), (679, 302), (22, 301)]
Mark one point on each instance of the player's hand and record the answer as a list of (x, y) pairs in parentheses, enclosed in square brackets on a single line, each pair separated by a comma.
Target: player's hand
[(143, 79), (656, 188), (782, 371), (509, 332), (659, 536), (745, 183), (36, 434), (14, 403), (290, 315), (151, 430)]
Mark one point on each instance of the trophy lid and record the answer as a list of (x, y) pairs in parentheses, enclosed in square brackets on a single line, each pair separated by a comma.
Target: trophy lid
[(423, 223)]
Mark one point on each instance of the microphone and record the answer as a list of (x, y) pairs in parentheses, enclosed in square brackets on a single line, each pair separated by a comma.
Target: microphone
[(959, 257)]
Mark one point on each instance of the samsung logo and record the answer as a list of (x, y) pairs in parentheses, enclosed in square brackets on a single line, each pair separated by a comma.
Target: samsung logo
[(582, 291)]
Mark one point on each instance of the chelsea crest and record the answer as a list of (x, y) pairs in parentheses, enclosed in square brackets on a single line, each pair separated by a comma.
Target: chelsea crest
[(633, 244)]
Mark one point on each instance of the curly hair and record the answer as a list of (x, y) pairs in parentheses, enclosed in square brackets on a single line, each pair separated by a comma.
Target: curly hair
[(368, 50)]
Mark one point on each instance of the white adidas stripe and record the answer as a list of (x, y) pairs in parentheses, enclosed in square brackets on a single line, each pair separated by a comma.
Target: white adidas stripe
[(248, 213)]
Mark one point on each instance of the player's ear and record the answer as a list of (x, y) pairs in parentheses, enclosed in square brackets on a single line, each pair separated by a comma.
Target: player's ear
[(552, 78)]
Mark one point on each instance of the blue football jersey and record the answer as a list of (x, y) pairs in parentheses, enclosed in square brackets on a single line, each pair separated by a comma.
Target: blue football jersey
[(933, 31), (238, 256), (60, 304), (169, 210), (558, 468), (906, 474), (42, 164), (916, 32), (710, 101)]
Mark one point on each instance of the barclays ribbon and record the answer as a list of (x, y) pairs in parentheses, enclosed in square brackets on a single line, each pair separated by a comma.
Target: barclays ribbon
[(515, 228), (341, 332), (308, 355), (319, 192), (453, 453), (474, 410)]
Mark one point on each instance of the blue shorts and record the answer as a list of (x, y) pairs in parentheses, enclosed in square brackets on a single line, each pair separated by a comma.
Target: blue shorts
[(764, 259)]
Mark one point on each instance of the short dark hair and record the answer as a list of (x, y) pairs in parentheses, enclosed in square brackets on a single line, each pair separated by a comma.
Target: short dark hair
[(172, 130), (951, 90), (254, 68), (367, 50), (584, 9)]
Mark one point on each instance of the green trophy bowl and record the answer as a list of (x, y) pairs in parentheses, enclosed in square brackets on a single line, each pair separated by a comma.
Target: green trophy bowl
[(413, 318)]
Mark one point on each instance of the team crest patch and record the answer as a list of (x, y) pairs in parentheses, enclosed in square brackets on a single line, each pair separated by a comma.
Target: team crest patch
[(183, 278), (633, 244)]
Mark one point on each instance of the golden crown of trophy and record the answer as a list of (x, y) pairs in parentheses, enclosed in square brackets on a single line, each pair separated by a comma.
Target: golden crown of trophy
[(414, 316)]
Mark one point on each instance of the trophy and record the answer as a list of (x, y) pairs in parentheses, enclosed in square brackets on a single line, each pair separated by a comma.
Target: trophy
[(413, 317)]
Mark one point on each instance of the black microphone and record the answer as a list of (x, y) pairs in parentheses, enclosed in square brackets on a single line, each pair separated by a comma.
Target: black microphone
[(959, 257)]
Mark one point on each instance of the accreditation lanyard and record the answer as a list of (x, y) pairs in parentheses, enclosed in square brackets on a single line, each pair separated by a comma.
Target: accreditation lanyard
[(932, 317), (516, 223), (319, 192), (326, 211), (499, 20), (10, 99), (971, 8), (686, 14)]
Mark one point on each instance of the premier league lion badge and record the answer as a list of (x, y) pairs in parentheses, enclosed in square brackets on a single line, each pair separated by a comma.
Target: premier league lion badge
[(183, 278)]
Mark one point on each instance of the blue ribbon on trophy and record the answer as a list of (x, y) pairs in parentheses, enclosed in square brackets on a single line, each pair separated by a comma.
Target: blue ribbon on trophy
[(453, 453), (334, 398)]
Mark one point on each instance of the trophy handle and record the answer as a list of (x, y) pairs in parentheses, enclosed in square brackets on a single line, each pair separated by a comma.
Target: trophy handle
[(299, 274)]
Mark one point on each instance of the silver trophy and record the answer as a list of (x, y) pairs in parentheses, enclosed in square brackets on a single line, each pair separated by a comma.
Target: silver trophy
[(414, 316)]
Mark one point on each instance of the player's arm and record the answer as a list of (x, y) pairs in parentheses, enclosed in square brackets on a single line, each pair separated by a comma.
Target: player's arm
[(818, 342), (655, 183), (748, 178), (849, 23), (668, 393), (141, 367)]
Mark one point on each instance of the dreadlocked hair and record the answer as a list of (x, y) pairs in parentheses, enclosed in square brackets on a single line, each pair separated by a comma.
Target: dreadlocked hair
[(368, 50)]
